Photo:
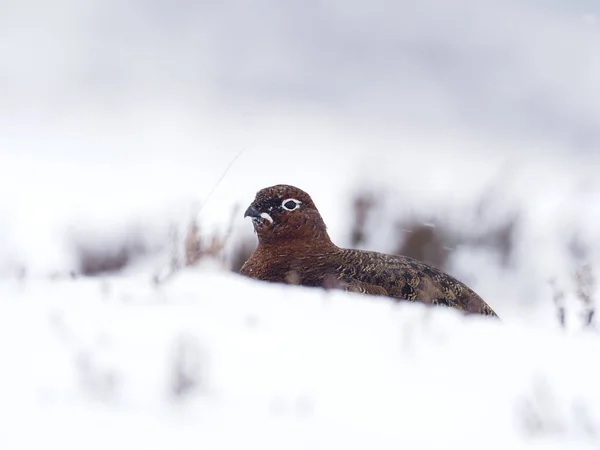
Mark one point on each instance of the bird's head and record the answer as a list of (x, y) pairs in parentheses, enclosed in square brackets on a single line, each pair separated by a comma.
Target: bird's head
[(283, 213)]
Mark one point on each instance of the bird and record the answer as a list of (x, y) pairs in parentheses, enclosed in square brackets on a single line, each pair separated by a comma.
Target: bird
[(294, 247)]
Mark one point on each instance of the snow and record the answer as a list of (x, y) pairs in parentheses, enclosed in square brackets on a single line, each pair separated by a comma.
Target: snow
[(121, 121), (95, 363)]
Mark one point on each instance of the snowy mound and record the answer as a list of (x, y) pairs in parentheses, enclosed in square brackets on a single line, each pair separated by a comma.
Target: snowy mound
[(212, 360)]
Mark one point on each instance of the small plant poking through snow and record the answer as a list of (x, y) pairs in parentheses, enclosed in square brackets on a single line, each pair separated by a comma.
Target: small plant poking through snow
[(539, 411), (193, 247), (558, 297), (94, 370), (585, 281), (197, 248), (187, 368), (543, 413), (362, 205), (425, 241), (97, 258), (584, 289), (98, 380)]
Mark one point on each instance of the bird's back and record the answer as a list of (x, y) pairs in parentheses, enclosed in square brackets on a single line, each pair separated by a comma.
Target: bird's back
[(406, 278)]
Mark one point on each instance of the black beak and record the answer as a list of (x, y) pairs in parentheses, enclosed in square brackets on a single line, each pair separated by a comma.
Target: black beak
[(252, 212)]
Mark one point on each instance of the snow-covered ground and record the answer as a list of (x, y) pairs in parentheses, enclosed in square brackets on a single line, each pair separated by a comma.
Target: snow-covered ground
[(117, 121), (210, 360)]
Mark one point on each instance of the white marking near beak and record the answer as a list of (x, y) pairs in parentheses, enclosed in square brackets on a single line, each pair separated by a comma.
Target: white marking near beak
[(266, 216)]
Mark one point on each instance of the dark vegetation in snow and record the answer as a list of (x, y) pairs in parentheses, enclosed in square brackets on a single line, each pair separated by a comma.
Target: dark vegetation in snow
[(431, 238)]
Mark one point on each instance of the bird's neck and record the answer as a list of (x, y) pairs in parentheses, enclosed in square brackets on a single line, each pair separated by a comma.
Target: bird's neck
[(317, 243)]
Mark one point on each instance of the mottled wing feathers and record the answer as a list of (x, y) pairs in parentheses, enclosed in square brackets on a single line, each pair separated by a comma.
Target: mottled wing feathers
[(365, 288), (408, 279)]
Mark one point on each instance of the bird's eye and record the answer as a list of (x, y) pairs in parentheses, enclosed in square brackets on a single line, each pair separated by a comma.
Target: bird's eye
[(290, 204)]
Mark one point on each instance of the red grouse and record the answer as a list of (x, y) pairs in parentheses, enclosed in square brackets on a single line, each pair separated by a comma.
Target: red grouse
[(294, 247)]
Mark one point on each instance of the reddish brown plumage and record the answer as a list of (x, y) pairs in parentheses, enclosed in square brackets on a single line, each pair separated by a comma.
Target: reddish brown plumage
[(294, 247)]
